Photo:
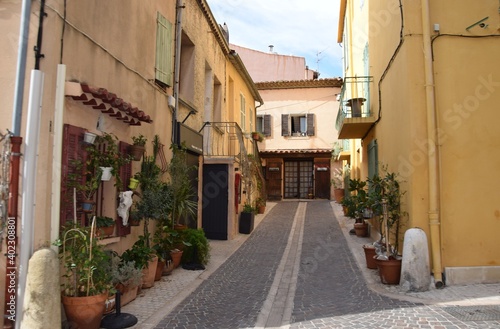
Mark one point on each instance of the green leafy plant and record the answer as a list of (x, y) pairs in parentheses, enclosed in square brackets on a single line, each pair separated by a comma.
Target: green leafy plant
[(184, 198), (197, 249), (105, 153), (104, 221), (85, 179), (260, 202), (85, 262), (139, 140), (140, 253), (359, 197), (249, 209)]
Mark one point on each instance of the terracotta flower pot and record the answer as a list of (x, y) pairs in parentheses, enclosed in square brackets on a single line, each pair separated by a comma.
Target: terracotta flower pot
[(84, 312), (389, 270), (361, 229), (159, 270), (148, 273), (370, 253), (128, 293), (136, 152), (176, 257)]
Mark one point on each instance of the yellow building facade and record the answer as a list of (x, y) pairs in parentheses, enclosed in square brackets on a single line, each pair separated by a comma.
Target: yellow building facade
[(122, 68), (429, 86)]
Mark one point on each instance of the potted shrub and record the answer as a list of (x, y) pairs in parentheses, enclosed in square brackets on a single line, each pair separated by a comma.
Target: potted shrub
[(247, 219), (86, 280), (197, 248), (358, 199), (105, 226), (260, 204), (126, 278), (144, 258), (137, 149), (385, 199), (171, 242)]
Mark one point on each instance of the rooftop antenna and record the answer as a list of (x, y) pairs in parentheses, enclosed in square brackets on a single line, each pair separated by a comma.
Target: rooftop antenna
[(318, 59)]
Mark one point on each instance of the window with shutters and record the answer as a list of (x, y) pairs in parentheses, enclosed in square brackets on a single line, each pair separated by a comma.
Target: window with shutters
[(297, 125), (263, 124), (163, 66), (74, 151)]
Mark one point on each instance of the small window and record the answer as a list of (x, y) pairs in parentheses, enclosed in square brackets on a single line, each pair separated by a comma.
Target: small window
[(243, 112), (297, 125), (264, 124)]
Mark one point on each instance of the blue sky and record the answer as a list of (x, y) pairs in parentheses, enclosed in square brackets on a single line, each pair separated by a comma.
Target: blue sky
[(294, 27)]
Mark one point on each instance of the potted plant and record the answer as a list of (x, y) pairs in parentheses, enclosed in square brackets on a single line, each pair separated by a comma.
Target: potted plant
[(260, 204), (125, 277), (257, 136), (358, 204), (137, 149), (385, 199), (86, 281), (247, 219), (144, 258), (106, 155), (89, 138), (197, 248), (170, 242), (105, 226)]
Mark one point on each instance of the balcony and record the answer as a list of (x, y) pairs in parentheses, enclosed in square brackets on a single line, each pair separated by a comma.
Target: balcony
[(354, 118)]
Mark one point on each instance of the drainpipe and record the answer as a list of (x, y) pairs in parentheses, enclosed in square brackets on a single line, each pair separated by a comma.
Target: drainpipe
[(433, 169), (177, 67)]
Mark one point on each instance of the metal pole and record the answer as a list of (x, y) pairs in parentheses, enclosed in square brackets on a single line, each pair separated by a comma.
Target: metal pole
[(21, 67)]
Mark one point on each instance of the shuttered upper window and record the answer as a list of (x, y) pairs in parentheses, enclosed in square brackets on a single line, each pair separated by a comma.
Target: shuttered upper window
[(264, 124), (297, 125), (163, 67)]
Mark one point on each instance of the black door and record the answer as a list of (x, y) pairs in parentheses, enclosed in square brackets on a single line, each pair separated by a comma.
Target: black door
[(215, 201)]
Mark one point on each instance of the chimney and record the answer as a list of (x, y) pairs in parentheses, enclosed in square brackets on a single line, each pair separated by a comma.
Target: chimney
[(271, 47)]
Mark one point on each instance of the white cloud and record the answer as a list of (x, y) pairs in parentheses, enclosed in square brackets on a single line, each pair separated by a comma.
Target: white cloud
[(295, 27)]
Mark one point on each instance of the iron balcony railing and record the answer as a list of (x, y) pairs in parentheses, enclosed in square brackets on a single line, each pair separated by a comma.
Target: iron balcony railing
[(354, 99)]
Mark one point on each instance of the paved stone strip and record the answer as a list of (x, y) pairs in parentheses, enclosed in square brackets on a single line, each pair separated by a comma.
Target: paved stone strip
[(233, 296), (277, 308), (330, 283)]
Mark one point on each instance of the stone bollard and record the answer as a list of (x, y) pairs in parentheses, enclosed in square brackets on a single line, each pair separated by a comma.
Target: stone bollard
[(415, 267), (42, 300)]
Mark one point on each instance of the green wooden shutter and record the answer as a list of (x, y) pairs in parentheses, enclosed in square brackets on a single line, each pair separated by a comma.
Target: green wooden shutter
[(372, 158), (163, 67)]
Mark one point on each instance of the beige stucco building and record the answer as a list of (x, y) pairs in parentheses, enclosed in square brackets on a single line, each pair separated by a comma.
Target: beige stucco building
[(123, 68), (296, 119), (425, 79)]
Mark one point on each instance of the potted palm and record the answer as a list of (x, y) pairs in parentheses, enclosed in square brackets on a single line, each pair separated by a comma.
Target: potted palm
[(359, 204), (86, 281)]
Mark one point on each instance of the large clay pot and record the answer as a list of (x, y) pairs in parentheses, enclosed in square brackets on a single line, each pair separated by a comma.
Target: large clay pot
[(389, 270), (361, 229), (176, 257), (148, 273), (338, 193), (84, 312), (370, 253), (159, 270), (128, 293)]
